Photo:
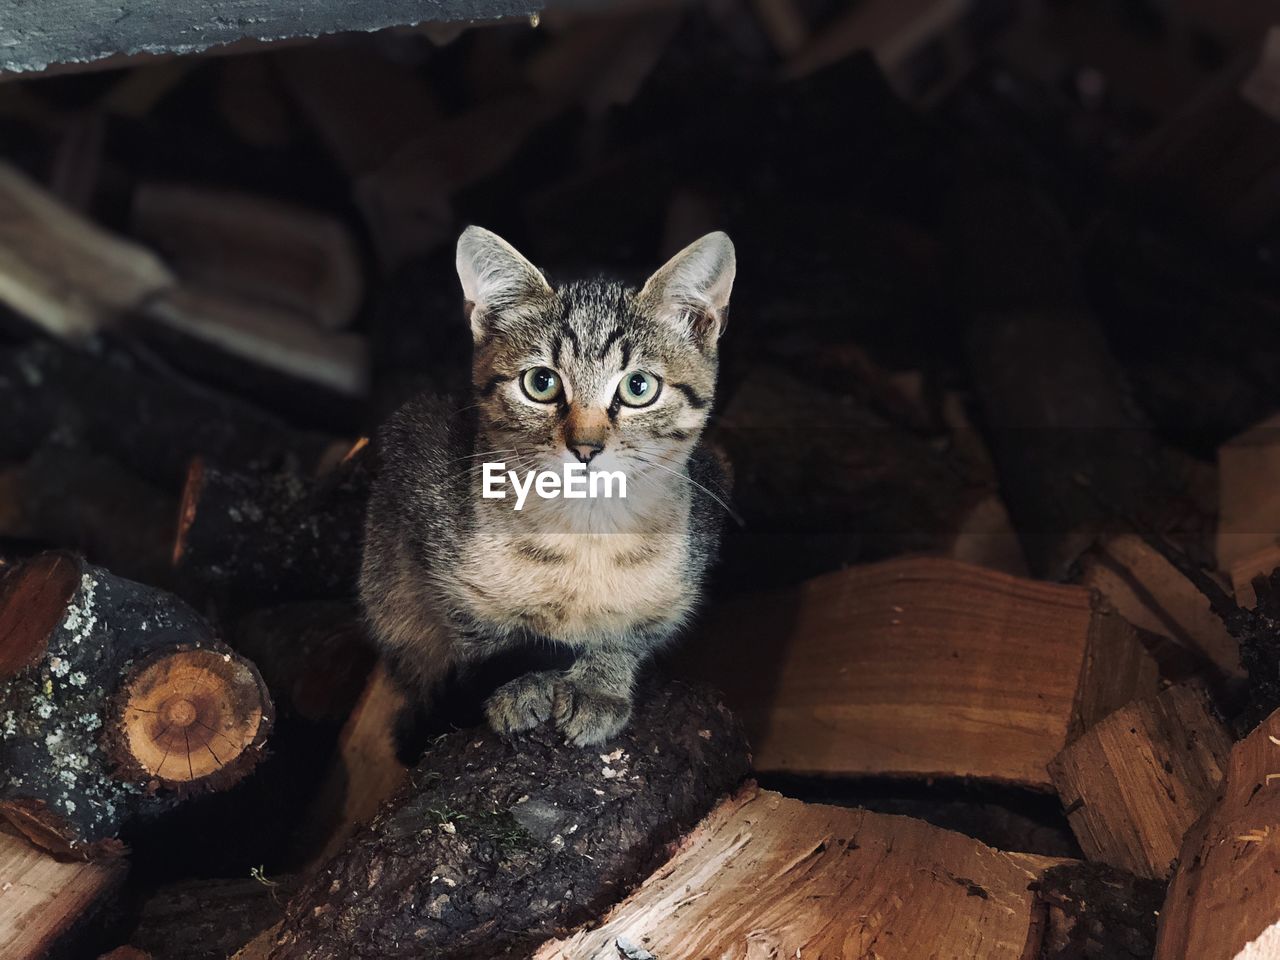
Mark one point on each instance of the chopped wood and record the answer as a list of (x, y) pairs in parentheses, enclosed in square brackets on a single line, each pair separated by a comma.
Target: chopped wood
[(920, 667), (117, 701), (251, 539), (498, 843), (62, 272), (1137, 780), (205, 324), (42, 900), (257, 248), (764, 875), (66, 497), (143, 416), (1223, 902), (884, 491), (1075, 456), (1249, 499), (1149, 592)]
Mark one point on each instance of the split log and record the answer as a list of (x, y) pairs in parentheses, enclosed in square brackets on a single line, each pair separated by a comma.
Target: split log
[(767, 876), (1249, 505), (212, 332), (146, 418), (117, 701), (59, 270), (1070, 444), (249, 539), (1137, 780), (497, 844), (1153, 595), (1224, 900), (64, 497), (255, 248), (44, 901), (920, 667)]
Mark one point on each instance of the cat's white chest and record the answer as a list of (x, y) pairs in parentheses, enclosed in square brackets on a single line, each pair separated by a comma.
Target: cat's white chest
[(579, 588)]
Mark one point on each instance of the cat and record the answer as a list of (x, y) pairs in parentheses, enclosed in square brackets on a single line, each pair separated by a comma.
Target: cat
[(590, 373)]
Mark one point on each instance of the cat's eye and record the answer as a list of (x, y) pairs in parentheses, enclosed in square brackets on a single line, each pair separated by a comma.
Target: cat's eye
[(639, 389), (541, 384)]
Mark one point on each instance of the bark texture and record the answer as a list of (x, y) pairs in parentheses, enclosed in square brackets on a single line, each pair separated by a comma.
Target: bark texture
[(495, 845)]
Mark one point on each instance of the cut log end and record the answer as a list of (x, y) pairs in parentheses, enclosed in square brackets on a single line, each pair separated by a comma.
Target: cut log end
[(190, 718), (33, 601), (191, 490)]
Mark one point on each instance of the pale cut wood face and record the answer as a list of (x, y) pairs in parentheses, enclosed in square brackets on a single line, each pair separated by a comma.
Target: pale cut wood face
[(188, 715)]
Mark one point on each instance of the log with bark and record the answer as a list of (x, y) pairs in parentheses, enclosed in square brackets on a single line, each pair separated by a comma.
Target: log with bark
[(884, 491), (497, 844), (117, 702), (1070, 444), (251, 539), (45, 903), (1224, 900), (1137, 780), (141, 414), (209, 919), (66, 497), (920, 667)]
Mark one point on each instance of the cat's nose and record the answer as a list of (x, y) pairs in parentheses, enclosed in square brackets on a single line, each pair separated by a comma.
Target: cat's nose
[(586, 451)]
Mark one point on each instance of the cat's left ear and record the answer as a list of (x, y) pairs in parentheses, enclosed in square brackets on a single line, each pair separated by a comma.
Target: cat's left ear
[(691, 290)]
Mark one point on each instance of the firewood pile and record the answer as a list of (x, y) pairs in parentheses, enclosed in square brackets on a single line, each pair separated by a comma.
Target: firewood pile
[(991, 664)]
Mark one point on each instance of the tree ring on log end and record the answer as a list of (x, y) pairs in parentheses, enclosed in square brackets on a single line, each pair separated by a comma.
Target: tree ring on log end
[(189, 717), (33, 601)]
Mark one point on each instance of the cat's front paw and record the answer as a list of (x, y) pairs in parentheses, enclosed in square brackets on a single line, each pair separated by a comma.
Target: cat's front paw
[(523, 703), (588, 715)]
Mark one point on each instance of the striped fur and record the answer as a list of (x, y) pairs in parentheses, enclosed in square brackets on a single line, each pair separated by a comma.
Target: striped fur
[(450, 578)]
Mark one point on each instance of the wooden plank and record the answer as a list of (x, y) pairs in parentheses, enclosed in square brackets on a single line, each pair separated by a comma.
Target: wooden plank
[(41, 898), (920, 667), (767, 876), (1137, 780)]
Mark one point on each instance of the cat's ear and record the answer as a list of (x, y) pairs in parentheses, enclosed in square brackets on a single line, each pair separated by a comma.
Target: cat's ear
[(495, 277), (691, 290)]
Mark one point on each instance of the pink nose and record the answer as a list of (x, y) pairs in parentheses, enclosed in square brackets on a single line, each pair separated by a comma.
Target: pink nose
[(585, 451)]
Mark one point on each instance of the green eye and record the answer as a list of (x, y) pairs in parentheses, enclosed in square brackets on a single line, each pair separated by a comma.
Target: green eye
[(541, 384), (639, 389)]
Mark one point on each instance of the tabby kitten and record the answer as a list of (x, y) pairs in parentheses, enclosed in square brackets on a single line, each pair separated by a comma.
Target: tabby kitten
[(590, 372)]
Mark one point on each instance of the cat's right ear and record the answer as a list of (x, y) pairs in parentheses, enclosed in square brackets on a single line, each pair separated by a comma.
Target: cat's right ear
[(495, 278)]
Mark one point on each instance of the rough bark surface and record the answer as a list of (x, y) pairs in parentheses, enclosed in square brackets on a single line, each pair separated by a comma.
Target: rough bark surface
[(496, 844), (1096, 912), (76, 739), (249, 539)]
